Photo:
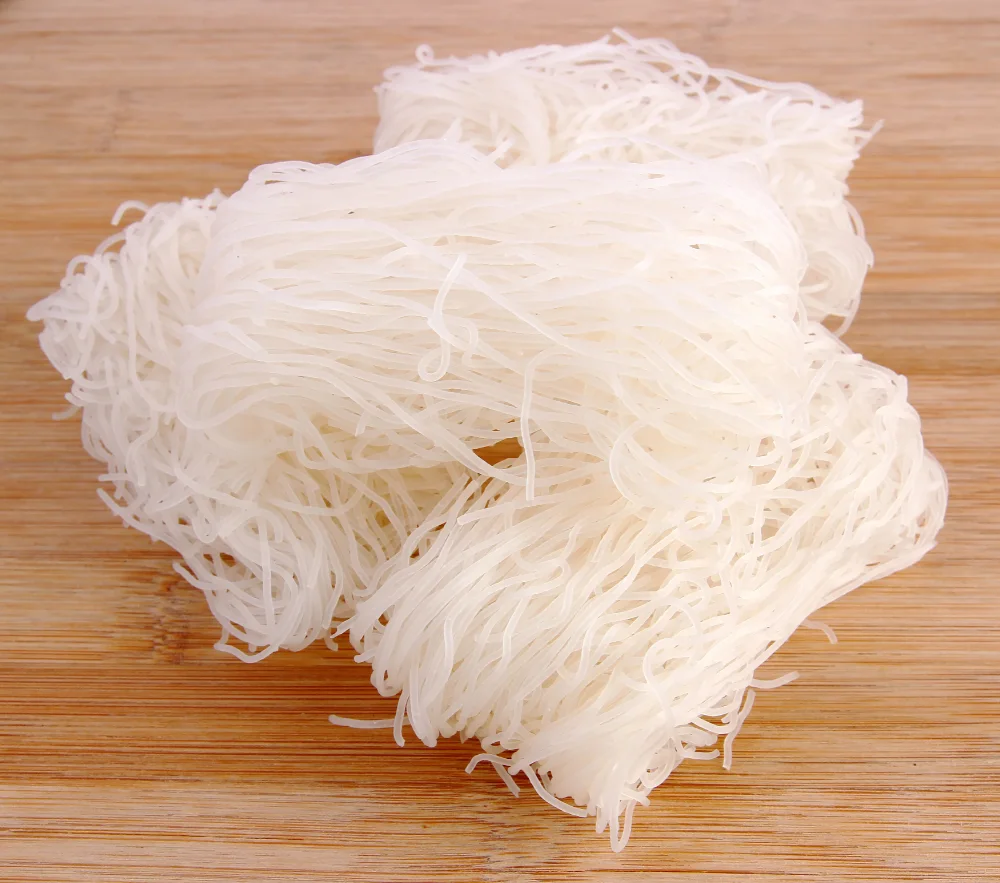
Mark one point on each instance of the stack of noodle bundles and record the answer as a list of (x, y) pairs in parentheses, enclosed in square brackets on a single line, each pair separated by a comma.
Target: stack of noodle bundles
[(293, 387)]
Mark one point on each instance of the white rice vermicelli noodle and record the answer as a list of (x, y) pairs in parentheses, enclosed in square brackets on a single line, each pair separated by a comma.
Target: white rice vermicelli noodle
[(273, 548), (635, 100), (423, 303), (593, 643)]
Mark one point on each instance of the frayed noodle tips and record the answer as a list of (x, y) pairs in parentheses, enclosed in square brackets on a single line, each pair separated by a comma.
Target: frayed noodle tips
[(616, 268)]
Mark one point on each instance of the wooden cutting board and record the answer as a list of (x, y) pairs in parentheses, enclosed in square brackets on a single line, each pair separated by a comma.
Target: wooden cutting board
[(130, 750)]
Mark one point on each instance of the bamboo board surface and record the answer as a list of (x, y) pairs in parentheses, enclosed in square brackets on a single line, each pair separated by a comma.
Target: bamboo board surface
[(130, 750)]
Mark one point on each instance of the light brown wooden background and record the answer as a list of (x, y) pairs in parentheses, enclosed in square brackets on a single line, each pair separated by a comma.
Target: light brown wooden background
[(131, 751)]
